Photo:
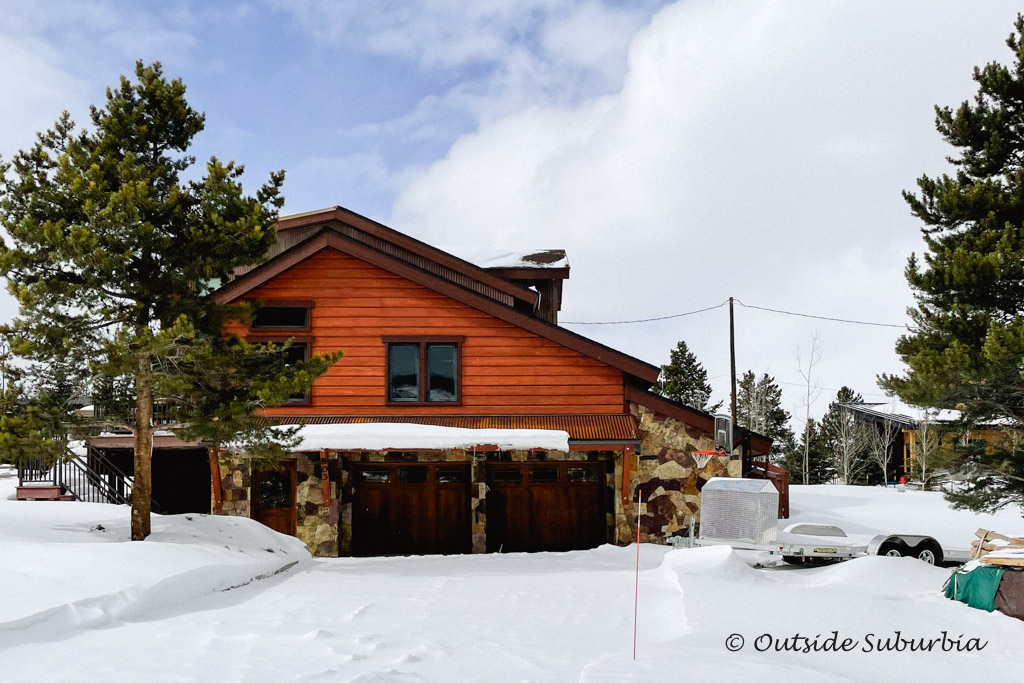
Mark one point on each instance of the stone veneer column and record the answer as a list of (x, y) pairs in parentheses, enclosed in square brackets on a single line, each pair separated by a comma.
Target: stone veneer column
[(235, 480), (317, 520), (669, 480)]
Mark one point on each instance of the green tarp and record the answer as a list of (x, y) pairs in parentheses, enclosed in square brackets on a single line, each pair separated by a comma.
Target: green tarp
[(976, 588)]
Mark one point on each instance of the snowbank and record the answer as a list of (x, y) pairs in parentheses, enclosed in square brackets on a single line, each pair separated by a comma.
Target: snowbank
[(384, 435), (71, 564)]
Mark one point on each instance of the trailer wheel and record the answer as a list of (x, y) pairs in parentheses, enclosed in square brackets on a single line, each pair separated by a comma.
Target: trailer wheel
[(929, 553), (794, 559), (893, 549)]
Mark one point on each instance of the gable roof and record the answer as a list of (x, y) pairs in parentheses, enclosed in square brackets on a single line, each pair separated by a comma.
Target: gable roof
[(292, 230), (455, 283)]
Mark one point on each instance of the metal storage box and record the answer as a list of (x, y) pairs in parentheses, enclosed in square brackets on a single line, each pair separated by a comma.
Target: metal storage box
[(739, 510)]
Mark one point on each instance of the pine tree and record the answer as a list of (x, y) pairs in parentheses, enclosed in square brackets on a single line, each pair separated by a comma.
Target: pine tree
[(685, 380), (759, 407), (820, 468), (34, 417), (967, 340), (111, 256)]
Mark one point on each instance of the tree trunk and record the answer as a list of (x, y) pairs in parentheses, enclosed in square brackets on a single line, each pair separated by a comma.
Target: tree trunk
[(142, 490)]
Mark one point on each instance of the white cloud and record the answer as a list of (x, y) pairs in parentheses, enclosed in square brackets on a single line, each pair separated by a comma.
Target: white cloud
[(753, 150), (497, 57)]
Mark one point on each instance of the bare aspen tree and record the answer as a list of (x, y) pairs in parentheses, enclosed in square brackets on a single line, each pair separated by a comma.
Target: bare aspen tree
[(880, 443), (813, 390), (848, 439), (927, 449)]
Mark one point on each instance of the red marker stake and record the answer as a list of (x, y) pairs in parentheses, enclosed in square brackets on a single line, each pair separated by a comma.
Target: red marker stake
[(636, 588)]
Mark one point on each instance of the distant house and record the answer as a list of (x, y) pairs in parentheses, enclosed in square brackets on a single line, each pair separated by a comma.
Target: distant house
[(942, 429), (462, 417), (945, 431)]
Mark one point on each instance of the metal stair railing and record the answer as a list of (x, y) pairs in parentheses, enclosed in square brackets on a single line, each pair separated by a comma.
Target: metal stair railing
[(97, 480), (93, 479)]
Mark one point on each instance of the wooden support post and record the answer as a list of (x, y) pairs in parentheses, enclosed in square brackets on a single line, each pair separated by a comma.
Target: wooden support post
[(214, 453), (325, 477)]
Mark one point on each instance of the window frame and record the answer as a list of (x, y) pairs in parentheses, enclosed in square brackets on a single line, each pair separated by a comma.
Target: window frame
[(423, 341), (305, 340), (308, 304)]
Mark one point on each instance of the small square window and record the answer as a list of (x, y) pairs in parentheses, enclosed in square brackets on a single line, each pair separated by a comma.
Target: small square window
[(544, 474), (460, 476), (412, 475), (582, 474), (374, 476), (506, 476)]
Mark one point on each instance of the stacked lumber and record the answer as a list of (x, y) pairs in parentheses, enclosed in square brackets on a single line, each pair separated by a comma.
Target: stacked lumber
[(995, 549)]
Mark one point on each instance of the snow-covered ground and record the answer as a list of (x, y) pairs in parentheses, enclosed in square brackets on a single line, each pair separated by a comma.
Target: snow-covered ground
[(165, 609)]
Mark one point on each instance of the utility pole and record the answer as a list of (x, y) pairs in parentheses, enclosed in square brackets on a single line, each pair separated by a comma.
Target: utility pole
[(732, 360)]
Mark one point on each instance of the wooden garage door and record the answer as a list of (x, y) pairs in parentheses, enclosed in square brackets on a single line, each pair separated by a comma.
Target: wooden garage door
[(411, 509), (545, 506)]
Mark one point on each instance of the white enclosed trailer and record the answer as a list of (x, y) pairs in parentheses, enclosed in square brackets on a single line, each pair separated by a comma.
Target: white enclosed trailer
[(743, 513)]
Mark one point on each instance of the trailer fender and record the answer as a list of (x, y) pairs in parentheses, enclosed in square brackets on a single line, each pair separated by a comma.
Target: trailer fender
[(924, 548)]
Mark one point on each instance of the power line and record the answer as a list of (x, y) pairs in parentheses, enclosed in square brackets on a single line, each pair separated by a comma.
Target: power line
[(645, 320), (820, 317), (711, 308)]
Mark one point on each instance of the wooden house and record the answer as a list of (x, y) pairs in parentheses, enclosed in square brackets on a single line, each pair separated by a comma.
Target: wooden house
[(433, 340)]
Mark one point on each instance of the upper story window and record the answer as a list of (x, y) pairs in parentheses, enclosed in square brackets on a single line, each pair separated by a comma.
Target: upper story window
[(423, 370), (297, 352), (276, 321), (282, 315)]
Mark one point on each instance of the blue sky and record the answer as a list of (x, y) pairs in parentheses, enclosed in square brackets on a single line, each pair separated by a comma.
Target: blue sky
[(680, 152)]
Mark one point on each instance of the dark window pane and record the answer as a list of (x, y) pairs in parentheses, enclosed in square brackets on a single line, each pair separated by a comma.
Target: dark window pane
[(508, 476), (281, 316), (544, 474), (582, 474), (374, 476), (295, 353), (452, 476), (442, 372), (403, 372), (412, 475)]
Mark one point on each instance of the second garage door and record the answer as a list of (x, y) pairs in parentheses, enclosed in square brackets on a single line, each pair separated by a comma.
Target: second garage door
[(545, 506)]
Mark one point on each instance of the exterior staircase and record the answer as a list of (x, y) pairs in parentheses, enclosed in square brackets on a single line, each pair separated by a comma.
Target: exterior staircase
[(92, 478)]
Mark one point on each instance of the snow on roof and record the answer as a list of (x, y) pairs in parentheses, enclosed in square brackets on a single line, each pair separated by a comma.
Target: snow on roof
[(498, 258), (399, 436), (882, 411)]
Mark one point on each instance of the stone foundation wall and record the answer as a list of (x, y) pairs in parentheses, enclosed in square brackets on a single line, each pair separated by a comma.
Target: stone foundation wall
[(666, 479)]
